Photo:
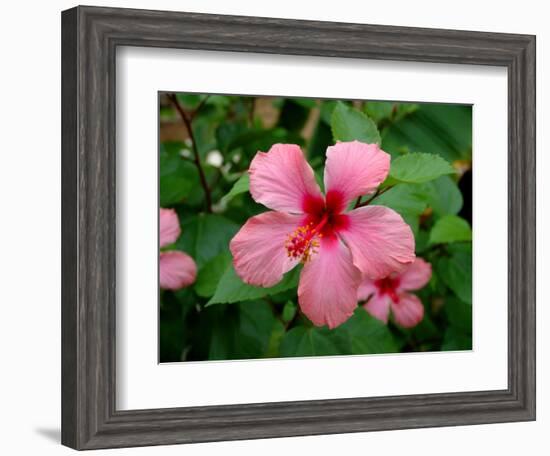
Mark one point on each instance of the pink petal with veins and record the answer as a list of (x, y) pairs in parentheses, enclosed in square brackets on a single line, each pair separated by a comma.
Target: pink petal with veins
[(176, 270), (379, 240), (169, 227), (282, 179), (416, 275), (258, 249), (353, 169), (408, 311), (327, 292), (379, 307)]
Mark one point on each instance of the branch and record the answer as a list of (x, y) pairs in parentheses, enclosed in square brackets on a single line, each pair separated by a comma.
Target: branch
[(376, 194), (187, 121)]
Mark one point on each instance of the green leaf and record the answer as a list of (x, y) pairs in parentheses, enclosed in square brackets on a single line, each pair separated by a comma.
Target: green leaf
[(232, 289), (425, 331), (275, 339), (242, 331), (327, 108), (456, 340), (348, 124), (361, 334), (226, 134), (255, 326), (177, 177), (191, 100), (459, 314), (417, 168), (379, 110), (309, 103), (241, 186), (442, 129), (173, 189), (170, 157), (421, 240), (312, 341), (289, 311), (368, 334), (403, 110), (409, 200), (450, 228), (172, 339), (444, 196), (404, 198), (174, 334), (210, 274), (204, 236), (456, 271), (385, 113), (413, 220), (248, 140)]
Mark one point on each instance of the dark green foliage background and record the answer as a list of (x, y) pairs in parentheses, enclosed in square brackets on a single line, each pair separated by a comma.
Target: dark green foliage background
[(221, 318)]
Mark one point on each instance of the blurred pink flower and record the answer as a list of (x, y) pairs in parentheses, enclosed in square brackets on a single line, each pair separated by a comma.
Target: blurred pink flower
[(176, 269), (336, 247), (391, 293)]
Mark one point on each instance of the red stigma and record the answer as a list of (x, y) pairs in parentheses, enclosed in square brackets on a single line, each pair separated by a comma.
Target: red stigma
[(303, 242)]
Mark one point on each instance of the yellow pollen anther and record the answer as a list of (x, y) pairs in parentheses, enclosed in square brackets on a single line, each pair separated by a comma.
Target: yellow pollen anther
[(303, 242)]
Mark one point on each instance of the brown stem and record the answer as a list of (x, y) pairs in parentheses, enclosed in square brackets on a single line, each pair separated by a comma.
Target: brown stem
[(187, 121), (384, 190), (376, 194)]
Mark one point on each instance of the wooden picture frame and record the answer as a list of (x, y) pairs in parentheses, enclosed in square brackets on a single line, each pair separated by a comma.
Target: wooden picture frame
[(90, 37)]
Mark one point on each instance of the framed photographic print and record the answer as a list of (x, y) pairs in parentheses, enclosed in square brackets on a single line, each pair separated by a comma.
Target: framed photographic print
[(280, 228)]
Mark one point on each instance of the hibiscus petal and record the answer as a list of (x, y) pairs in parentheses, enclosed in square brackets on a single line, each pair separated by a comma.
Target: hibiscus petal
[(409, 311), (366, 288), (259, 254), (176, 270), (353, 169), (327, 292), (416, 275), (282, 179), (379, 240), (379, 307), (169, 227)]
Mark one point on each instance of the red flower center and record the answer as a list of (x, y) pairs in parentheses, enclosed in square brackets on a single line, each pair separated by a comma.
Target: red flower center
[(324, 218), (388, 286)]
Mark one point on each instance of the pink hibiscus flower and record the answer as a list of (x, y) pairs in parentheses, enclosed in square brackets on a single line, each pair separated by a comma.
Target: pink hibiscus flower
[(336, 247), (176, 269), (391, 293)]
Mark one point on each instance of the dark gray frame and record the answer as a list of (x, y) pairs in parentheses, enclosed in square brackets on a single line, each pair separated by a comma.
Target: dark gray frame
[(89, 39)]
